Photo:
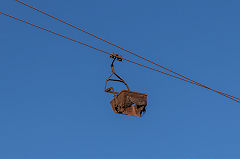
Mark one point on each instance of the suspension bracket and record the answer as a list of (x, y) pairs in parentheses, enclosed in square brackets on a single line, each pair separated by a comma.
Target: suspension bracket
[(116, 56)]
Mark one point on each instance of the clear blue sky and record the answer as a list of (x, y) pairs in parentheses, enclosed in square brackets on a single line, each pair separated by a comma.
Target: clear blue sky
[(52, 99)]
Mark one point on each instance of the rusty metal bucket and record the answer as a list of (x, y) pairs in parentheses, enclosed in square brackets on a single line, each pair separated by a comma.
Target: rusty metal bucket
[(129, 103), (125, 102)]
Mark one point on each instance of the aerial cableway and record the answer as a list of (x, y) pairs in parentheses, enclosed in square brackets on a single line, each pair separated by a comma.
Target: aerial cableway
[(124, 102)]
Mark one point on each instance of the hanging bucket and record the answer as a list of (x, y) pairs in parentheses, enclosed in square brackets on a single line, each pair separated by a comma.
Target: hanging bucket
[(126, 102)]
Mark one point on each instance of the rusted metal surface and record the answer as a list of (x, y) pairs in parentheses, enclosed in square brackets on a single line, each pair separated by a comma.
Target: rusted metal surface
[(126, 102), (129, 103)]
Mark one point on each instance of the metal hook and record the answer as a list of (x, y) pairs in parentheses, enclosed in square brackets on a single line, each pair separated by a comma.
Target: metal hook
[(111, 89)]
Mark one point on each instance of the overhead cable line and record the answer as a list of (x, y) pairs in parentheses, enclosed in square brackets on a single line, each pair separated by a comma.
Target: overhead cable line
[(226, 95), (69, 24), (54, 33)]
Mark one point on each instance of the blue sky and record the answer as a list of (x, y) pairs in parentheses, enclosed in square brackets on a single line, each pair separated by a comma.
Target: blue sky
[(52, 99)]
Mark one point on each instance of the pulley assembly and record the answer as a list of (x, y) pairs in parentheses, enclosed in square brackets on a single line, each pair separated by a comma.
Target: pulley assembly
[(125, 102)]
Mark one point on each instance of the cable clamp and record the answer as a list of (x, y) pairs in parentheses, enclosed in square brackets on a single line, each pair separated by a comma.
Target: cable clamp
[(116, 56)]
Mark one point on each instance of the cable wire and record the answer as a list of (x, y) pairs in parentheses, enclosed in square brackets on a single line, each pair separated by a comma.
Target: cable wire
[(54, 33), (69, 24), (226, 95)]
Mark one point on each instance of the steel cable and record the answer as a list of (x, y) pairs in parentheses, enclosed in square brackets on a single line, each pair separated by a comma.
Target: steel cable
[(224, 94), (195, 82)]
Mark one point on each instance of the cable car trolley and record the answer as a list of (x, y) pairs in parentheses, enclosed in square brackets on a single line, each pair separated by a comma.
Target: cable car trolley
[(125, 102)]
